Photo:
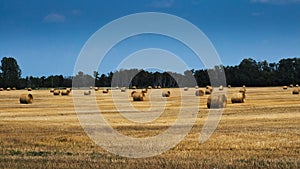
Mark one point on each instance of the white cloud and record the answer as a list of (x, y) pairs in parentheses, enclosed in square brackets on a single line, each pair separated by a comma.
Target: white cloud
[(76, 12), (257, 13), (276, 2), (54, 18), (162, 3)]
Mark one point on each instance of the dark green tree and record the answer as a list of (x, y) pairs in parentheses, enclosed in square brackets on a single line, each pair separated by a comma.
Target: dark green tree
[(10, 72)]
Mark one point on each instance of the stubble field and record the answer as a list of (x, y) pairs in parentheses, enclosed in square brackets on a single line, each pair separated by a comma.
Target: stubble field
[(263, 132)]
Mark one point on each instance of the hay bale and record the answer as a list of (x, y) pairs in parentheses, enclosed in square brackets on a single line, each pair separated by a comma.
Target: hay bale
[(295, 91), (159, 87), (26, 99), (238, 98), (52, 90), (87, 93), (138, 96), (145, 90), (132, 93), (29, 89), (166, 93), (221, 87), (117, 88), (123, 89), (217, 101), (56, 92), (149, 87), (14, 88), (208, 87), (105, 91), (91, 87), (297, 85), (229, 86), (133, 87), (65, 92), (285, 87), (196, 87), (208, 91), (1, 89), (242, 90), (199, 93), (8, 89), (185, 88), (96, 88), (291, 85), (68, 89)]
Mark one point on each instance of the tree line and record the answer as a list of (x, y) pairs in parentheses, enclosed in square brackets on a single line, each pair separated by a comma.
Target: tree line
[(249, 72)]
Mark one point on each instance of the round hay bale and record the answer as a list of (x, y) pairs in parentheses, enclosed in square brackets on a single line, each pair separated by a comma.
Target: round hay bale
[(65, 93), (14, 88), (105, 91), (208, 91), (291, 85), (132, 93), (296, 91), (52, 90), (87, 93), (242, 90), (297, 85), (208, 87), (238, 98), (221, 87), (199, 93), (217, 101), (56, 92), (68, 89), (196, 87), (29, 89), (1, 89), (133, 87), (8, 89), (26, 99), (285, 87), (166, 93), (138, 96), (185, 88), (244, 86), (96, 88), (91, 87), (159, 87), (117, 88), (144, 90), (149, 87), (123, 89), (229, 86)]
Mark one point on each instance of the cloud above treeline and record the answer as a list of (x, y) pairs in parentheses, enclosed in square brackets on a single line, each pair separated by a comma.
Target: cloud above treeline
[(276, 2), (162, 3), (54, 18)]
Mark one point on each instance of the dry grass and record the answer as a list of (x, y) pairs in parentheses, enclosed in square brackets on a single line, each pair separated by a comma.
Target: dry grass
[(263, 132)]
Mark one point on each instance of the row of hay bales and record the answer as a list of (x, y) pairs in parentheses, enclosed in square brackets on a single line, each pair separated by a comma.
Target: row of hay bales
[(149, 87), (64, 92), (295, 90), (8, 89), (215, 101)]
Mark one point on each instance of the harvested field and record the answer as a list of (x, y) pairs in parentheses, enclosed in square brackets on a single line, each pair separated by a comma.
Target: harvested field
[(263, 132)]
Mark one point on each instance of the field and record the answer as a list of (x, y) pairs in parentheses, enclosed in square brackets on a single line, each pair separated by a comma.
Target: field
[(263, 132)]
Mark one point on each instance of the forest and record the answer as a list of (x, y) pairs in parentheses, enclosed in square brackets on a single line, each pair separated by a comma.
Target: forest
[(249, 72)]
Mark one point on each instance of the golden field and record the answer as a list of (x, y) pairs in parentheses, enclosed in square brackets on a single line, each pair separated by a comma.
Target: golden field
[(263, 132)]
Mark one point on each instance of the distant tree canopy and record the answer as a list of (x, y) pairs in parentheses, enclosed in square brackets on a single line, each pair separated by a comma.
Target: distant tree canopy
[(249, 72)]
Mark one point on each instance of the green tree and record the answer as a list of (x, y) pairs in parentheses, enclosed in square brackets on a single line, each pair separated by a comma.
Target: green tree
[(10, 72)]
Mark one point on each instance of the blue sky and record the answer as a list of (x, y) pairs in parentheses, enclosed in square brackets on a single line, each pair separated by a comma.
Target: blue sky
[(46, 36)]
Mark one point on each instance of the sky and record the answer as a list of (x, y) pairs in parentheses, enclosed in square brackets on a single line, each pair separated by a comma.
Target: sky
[(46, 37)]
